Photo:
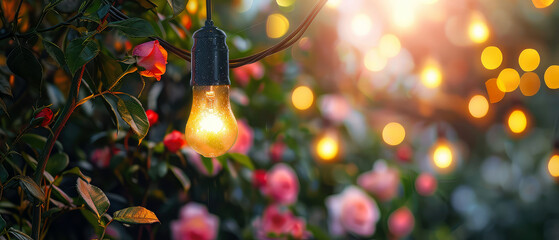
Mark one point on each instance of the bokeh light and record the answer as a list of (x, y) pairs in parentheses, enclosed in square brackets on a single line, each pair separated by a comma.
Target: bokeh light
[(431, 75), (361, 24), (277, 25), (333, 3), (389, 45), (327, 147), (553, 166), (302, 97), (426, 184), (529, 84), (374, 60), (491, 57), (508, 80), (551, 77), (542, 3), (477, 29), (429, 1), (393, 133), (529, 60), (442, 156), (192, 7), (285, 3), (494, 93), (478, 106), (517, 121)]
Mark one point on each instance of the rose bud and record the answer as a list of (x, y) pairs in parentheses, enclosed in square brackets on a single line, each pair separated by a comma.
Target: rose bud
[(174, 141), (46, 114), (153, 117)]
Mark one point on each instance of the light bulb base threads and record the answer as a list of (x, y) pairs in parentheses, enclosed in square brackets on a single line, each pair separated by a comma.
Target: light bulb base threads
[(210, 57)]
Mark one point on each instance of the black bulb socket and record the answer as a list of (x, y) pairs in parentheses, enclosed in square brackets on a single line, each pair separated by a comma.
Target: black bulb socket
[(210, 57)]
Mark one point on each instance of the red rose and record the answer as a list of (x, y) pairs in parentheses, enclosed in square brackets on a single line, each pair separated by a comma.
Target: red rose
[(404, 154), (152, 57), (46, 114), (276, 151), (152, 117), (174, 141), (259, 178)]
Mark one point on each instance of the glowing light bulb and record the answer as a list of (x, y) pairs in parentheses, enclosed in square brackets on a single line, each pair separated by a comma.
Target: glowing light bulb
[(478, 30), (431, 75), (517, 121), (442, 156), (211, 128), (553, 166), (327, 147)]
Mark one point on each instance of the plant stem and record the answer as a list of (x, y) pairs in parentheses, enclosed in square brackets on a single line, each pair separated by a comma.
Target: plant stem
[(105, 229), (43, 158)]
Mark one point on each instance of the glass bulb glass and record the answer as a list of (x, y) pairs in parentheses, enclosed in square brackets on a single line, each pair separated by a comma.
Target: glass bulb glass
[(211, 129)]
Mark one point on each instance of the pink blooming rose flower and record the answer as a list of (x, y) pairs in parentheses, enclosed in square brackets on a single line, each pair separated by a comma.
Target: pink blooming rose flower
[(245, 73), (244, 139), (101, 157), (382, 181), (426, 184), (278, 223), (195, 223), (195, 159), (282, 185), (401, 222), (152, 57), (352, 211)]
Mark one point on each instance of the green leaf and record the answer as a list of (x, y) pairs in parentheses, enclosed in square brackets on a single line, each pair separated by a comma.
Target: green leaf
[(38, 142), (177, 6), (112, 111), (3, 174), (31, 187), (19, 235), (318, 233), (93, 197), (23, 63), (3, 106), (76, 171), (57, 163), (242, 159), (132, 112), (78, 53), (109, 69), (2, 224), (5, 87), (208, 164), (135, 215), (134, 27), (55, 52), (182, 177)]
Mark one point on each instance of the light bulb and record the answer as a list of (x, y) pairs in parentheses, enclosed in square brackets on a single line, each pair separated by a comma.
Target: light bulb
[(211, 129)]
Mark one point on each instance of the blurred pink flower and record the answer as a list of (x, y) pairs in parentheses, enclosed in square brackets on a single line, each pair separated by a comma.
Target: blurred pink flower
[(174, 141), (404, 154), (276, 151), (245, 73), (278, 223), (425, 184), (401, 222), (244, 139), (352, 211), (195, 159), (101, 157), (195, 223), (282, 185), (382, 181), (334, 107), (259, 178), (152, 57)]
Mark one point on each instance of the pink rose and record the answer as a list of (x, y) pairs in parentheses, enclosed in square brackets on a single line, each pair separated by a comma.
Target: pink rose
[(245, 73), (276, 151), (352, 211), (426, 184), (195, 223), (282, 185), (404, 154), (244, 139), (195, 159), (152, 57), (382, 181), (174, 141), (278, 222), (401, 222), (334, 107), (101, 157)]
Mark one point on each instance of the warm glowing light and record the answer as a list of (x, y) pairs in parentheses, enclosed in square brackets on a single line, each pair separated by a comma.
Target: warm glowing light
[(553, 166), (508, 80), (429, 1), (478, 30), (374, 60), (333, 3), (551, 77), (542, 3), (393, 133), (302, 97), (529, 84), (442, 156), (403, 13), (389, 45), (491, 57), (494, 93), (361, 24), (277, 25), (285, 3), (192, 6), (529, 60), (478, 106), (211, 128), (327, 147), (431, 75), (517, 121)]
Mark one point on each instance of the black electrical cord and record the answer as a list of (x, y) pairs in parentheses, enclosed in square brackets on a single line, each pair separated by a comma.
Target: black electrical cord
[(234, 63)]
